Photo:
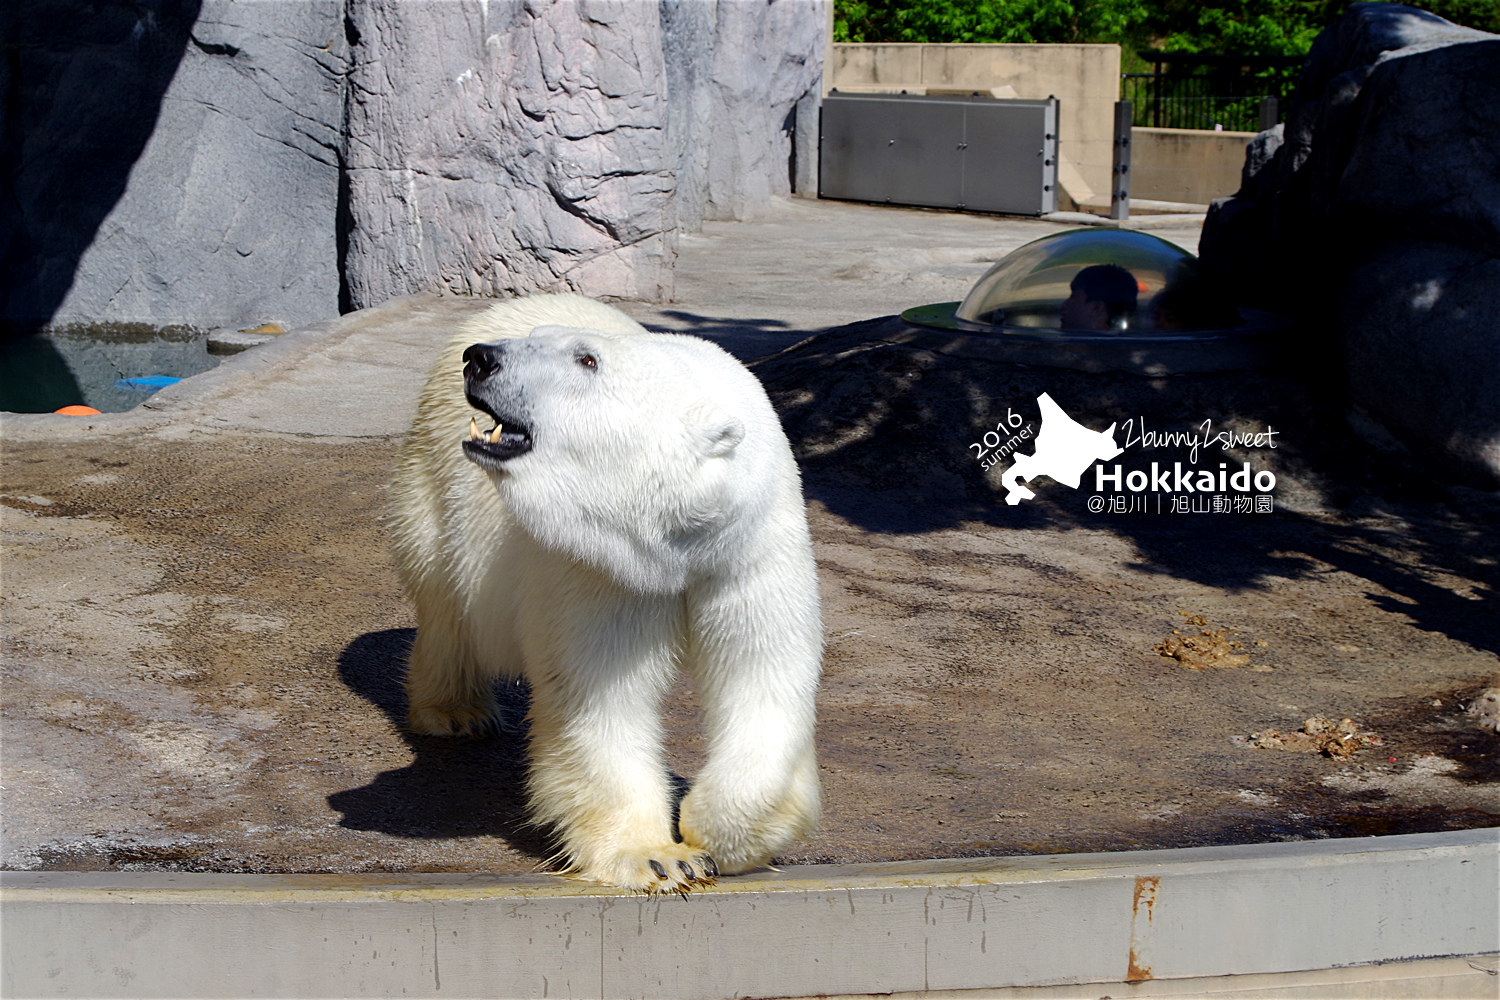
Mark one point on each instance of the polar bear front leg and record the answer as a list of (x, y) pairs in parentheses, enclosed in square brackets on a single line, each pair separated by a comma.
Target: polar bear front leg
[(599, 661), (756, 655)]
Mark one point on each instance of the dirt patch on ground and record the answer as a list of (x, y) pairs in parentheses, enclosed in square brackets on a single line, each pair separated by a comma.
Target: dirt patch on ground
[(1209, 648), (205, 640), (1337, 740)]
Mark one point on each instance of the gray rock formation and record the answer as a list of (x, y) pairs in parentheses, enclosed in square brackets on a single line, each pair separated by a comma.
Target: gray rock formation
[(1375, 213), (744, 82), (171, 163), (502, 148), (224, 162), (1422, 344), (766, 57), (1424, 157)]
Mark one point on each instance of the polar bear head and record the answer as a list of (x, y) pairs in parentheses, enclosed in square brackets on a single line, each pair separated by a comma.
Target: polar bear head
[(649, 456)]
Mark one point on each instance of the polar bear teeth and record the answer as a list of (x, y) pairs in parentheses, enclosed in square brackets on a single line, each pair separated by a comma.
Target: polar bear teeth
[(476, 435)]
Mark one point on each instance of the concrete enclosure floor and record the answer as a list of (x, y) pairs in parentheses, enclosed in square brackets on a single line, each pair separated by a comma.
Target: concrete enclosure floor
[(204, 637)]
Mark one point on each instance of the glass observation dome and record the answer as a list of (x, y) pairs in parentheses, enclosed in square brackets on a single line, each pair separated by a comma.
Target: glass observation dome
[(1101, 299)]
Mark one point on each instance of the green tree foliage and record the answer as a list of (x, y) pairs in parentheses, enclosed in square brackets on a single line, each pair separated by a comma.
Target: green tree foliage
[(1250, 27), (1254, 27), (984, 20)]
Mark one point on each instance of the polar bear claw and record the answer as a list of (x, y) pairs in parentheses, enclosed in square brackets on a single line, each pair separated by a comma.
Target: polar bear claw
[(665, 868), (472, 719)]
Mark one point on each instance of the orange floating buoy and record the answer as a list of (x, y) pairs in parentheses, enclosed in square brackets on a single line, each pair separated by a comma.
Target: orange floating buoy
[(77, 410)]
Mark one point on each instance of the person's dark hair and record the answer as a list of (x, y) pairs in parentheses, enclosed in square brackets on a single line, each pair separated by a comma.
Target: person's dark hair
[(1110, 284)]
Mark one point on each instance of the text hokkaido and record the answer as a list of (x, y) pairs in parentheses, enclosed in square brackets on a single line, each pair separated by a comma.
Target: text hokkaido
[(1180, 480)]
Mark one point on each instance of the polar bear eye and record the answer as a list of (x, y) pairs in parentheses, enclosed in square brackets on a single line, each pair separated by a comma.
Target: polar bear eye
[(588, 361)]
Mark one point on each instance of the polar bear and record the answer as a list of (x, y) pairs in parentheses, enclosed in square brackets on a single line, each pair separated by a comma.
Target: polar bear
[(634, 509)]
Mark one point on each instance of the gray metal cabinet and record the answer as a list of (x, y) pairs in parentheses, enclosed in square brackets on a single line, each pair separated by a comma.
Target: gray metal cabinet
[(976, 153)]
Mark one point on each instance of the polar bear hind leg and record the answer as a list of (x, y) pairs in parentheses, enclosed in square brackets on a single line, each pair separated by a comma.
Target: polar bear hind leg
[(447, 693)]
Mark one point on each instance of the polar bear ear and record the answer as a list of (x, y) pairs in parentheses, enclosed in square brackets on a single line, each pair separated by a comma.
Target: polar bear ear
[(718, 433)]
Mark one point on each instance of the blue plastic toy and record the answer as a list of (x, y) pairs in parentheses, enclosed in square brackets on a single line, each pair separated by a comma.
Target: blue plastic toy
[(147, 383)]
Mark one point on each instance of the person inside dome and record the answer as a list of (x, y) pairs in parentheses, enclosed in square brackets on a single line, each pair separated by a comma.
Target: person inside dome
[(1103, 298)]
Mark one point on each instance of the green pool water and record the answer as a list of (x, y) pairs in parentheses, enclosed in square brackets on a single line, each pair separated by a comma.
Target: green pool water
[(42, 372)]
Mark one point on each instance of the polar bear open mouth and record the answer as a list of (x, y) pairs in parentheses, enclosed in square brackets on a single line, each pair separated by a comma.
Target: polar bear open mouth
[(502, 442)]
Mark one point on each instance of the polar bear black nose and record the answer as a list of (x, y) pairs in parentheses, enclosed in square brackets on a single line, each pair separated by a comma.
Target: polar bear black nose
[(481, 360)]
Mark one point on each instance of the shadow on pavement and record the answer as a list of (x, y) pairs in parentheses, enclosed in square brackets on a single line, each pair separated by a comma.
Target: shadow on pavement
[(454, 787), (886, 437), (746, 339)]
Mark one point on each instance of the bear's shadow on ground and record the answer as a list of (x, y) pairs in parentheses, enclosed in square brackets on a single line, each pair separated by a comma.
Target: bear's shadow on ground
[(455, 787)]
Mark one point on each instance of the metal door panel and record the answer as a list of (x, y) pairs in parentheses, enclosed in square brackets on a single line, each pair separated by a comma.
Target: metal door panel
[(925, 165), (942, 152), (852, 150), (1006, 159)]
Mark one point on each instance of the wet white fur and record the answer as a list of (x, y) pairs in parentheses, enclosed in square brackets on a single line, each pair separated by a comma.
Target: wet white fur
[(656, 524)]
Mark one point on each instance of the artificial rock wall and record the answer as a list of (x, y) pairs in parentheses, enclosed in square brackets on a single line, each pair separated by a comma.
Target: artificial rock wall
[(1373, 217), (213, 162), (169, 161)]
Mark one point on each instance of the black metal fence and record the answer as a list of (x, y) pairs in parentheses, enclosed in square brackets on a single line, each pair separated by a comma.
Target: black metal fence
[(1237, 93)]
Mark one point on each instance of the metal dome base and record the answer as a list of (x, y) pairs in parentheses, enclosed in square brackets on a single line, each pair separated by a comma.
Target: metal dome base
[(935, 327)]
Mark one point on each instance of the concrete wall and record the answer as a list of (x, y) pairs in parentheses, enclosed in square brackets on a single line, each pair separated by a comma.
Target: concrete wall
[(1084, 78), (1189, 165), (971, 924)]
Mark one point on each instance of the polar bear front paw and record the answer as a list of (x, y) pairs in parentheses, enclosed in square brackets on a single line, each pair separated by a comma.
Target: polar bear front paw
[(466, 719), (669, 868)]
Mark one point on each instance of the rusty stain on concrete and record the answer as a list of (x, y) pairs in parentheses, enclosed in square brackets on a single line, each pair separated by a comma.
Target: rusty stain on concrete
[(1137, 971)]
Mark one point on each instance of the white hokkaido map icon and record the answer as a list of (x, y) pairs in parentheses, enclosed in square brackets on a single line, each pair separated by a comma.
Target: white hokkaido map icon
[(1064, 449)]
